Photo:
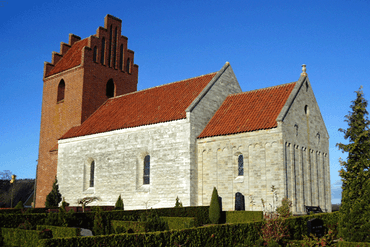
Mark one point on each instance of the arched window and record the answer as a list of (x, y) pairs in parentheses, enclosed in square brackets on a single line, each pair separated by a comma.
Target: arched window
[(95, 53), (128, 65), (110, 89), (146, 176), (306, 110), (240, 165), (102, 50), (92, 173), (61, 90), (121, 57)]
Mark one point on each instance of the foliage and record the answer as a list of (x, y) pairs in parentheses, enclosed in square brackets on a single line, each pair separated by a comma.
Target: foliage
[(5, 175), (128, 226), (54, 197), (61, 232), (354, 223), (19, 205), (179, 222), (312, 240), (25, 225), (275, 231), (119, 204), (214, 208), (284, 209), (178, 203), (243, 216), (20, 237), (154, 222), (98, 222)]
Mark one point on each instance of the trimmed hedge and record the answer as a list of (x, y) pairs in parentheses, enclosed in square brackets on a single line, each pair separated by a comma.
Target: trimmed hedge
[(125, 226), (352, 244), (243, 216), (61, 232), (212, 235), (180, 222), (19, 237)]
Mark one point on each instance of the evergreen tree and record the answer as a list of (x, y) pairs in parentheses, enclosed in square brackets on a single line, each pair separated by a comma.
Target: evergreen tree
[(54, 197), (98, 222), (19, 205), (354, 220), (214, 208), (178, 203), (119, 204)]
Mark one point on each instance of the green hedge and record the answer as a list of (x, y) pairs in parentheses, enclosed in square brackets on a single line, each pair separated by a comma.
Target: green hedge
[(180, 222), (243, 216), (298, 225), (128, 226), (352, 244), (19, 237), (61, 232), (212, 235)]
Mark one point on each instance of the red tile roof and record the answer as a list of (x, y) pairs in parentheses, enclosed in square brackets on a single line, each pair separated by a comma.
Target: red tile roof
[(249, 111), (71, 59), (155, 105)]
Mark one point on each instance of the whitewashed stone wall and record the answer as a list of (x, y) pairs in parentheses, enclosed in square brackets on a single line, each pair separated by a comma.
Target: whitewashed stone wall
[(306, 150), (218, 167)]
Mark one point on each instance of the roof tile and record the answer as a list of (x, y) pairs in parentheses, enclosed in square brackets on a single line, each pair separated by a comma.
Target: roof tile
[(249, 111), (155, 105)]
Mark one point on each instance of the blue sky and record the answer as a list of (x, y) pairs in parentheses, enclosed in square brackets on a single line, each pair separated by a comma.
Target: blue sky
[(266, 42)]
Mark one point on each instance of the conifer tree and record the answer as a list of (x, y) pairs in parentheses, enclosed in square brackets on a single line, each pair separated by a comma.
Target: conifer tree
[(214, 208), (119, 204), (54, 197), (354, 220)]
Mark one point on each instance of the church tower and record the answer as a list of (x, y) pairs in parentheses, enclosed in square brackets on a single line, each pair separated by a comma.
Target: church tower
[(79, 79)]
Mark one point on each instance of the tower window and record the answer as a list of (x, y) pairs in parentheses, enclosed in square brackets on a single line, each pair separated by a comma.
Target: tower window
[(61, 91), (110, 89), (146, 176), (92, 173), (306, 110), (114, 48), (102, 50), (95, 53), (240, 165), (110, 47), (128, 65)]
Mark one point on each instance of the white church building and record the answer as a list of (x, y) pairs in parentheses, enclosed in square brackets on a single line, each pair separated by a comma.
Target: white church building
[(183, 138)]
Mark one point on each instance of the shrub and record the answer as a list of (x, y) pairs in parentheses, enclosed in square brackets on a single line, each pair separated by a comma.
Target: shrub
[(154, 222), (243, 216), (54, 197), (20, 237), (179, 222), (119, 204), (19, 205), (214, 208), (61, 232), (98, 222), (178, 203), (125, 226), (284, 209)]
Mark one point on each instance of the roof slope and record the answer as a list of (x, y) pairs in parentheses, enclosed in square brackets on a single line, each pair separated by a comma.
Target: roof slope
[(249, 111), (71, 59), (155, 105)]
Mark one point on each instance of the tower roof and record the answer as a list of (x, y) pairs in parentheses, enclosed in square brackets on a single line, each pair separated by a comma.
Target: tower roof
[(249, 111)]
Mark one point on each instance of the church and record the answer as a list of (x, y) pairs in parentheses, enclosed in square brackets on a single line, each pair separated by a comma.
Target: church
[(102, 138)]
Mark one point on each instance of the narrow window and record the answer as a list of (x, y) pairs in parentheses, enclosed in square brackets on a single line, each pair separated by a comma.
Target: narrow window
[(110, 47), (240, 166), (146, 177), (114, 48), (306, 110), (95, 53), (92, 171), (296, 129), (128, 65), (110, 89), (61, 90), (121, 58), (102, 50)]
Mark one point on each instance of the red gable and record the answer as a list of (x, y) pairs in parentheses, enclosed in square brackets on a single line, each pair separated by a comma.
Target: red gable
[(155, 105), (71, 59), (249, 111)]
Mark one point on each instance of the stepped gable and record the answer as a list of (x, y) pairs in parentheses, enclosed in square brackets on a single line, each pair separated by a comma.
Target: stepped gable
[(71, 59), (249, 111), (150, 106)]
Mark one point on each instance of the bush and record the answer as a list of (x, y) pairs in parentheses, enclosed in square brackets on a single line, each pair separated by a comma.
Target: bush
[(243, 216), (19, 205), (125, 226), (54, 197), (20, 237), (119, 204), (154, 223), (214, 208), (178, 203), (98, 222), (179, 222), (61, 232)]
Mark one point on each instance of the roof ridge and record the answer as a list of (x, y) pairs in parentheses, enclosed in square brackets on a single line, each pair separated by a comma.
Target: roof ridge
[(118, 96), (265, 88)]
